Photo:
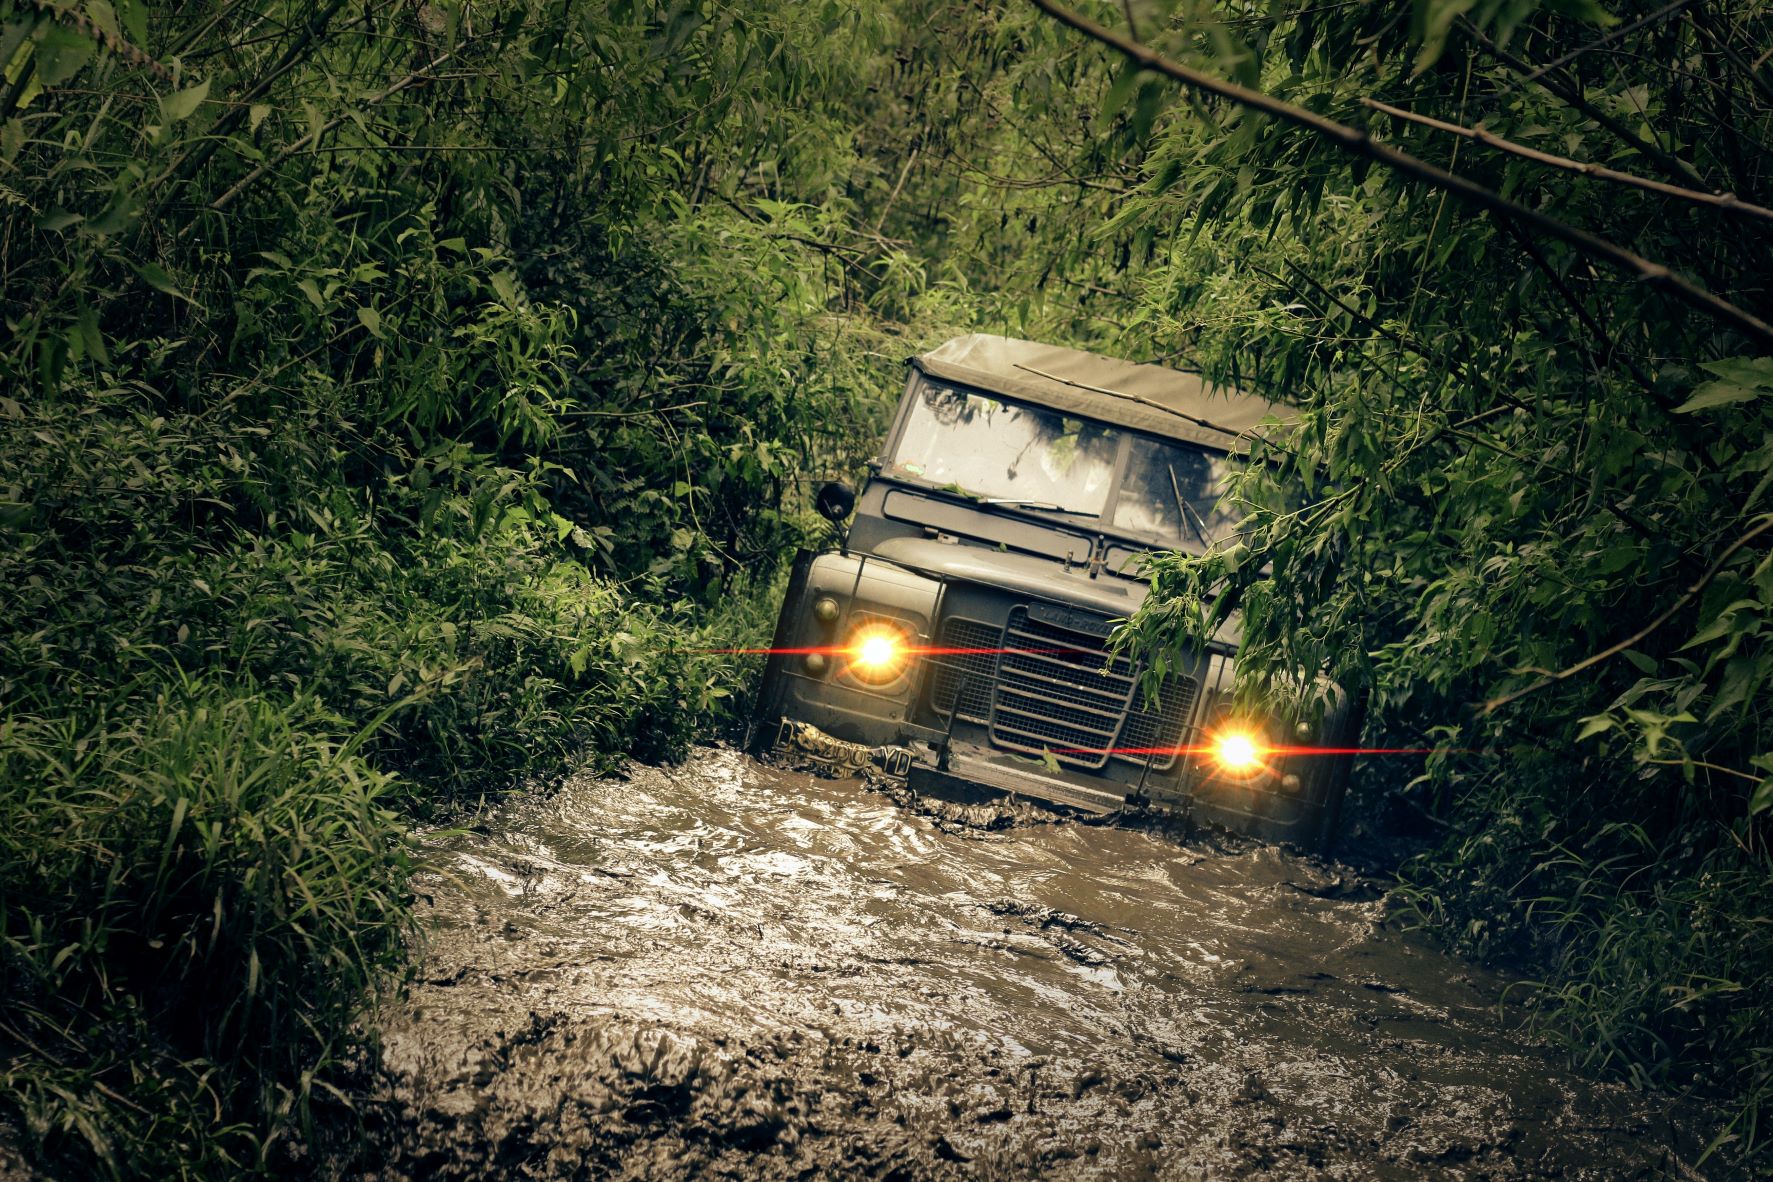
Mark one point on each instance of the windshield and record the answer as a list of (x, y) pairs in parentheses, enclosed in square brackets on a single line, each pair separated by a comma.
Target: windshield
[(1175, 490), (1004, 451)]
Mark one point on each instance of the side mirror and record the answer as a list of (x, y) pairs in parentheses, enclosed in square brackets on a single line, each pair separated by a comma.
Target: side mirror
[(835, 502)]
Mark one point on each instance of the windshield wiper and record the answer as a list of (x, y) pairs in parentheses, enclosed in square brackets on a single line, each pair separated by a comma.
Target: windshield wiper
[(1182, 507), (1047, 506)]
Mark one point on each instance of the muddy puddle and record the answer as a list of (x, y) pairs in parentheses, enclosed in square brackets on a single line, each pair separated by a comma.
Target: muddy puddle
[(725, 970)]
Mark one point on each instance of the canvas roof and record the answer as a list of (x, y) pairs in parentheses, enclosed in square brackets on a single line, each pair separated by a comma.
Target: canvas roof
[(1148, 398)]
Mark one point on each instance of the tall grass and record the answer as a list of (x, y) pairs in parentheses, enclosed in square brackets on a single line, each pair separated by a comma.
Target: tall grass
[(1648, 954), (214, 738), (195, 901)]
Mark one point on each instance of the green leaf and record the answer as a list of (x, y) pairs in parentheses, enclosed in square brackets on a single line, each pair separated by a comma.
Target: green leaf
[(60, 54), (1722, 623), (371, 320), (155, 276), (1712, 394), (1593, 726), (1743, 371), (1644, 663), (61, 219), (116, 217), (104, 16), (134, 14), (307, 288), (183, 104), (1434, 19), (1762, 800)]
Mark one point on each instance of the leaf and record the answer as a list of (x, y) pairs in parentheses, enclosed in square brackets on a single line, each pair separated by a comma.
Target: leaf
[(1711, 394), (1721, 624), (104, 16), (1762, 800), (184, 103), (1434, 19), (115, 217), (134, 14), (307, 288), (1644, 663), (61, 219), (155, 276), (60, 54), (1593, 726), (1744, 371), (371, 320), (256, 115)]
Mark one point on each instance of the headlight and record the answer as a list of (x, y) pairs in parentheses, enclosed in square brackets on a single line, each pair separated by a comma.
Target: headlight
[(1239, 751), (876, 654)]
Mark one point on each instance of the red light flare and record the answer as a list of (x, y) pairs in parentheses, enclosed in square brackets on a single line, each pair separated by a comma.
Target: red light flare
[(1264, 750), (835, 650)]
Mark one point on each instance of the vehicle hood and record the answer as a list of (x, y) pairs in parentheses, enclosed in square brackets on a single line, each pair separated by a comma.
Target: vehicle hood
[(1027, 574)]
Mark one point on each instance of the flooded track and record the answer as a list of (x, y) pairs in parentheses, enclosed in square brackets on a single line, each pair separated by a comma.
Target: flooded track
[(724, 970)]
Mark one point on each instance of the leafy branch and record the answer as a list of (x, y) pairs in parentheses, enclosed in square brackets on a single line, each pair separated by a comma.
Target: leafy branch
[(1358, 143), (1725, 201), (1669, 613)]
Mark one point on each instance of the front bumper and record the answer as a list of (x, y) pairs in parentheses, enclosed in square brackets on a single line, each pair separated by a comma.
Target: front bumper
[(957, 771)]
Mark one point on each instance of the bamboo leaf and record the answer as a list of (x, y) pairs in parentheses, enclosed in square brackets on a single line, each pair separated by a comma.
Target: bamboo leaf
[(184, 103)]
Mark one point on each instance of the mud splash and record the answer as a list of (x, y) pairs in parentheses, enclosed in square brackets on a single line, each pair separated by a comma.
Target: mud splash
[(723, 970)]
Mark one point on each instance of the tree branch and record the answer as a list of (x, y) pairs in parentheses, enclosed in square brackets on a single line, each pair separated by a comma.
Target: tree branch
[(1590, 662), (1606, 39), (314, 137), (1669, 163), (1356, 142), (1727, 201)]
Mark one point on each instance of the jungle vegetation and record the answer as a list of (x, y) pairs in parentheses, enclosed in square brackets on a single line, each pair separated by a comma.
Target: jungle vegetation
[(396, 398)]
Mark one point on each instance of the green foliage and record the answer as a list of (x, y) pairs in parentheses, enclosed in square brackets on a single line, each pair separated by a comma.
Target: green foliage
[(389, 399), (1526, 501), (201, 890)]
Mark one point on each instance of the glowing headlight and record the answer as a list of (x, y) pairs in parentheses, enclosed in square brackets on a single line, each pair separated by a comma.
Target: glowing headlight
[(876, 654), (1238, 751)]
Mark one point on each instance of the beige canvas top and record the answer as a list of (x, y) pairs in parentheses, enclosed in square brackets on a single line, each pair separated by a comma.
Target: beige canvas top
[(1147, 398)]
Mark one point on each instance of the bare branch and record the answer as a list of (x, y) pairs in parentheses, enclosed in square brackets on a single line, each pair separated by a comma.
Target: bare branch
[(1726, 201), (1356, 142)]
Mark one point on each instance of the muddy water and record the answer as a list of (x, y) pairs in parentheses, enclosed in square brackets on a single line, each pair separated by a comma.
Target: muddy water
[(724, 970)]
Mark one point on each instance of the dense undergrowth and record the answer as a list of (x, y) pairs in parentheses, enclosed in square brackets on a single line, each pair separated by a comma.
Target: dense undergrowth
[(398, 401), (350, 476)]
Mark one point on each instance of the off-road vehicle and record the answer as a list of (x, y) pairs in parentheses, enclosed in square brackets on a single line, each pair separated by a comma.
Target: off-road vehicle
[(958, 635)]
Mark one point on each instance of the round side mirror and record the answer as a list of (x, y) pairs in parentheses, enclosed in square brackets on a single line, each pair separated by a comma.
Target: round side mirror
[(835, 502)]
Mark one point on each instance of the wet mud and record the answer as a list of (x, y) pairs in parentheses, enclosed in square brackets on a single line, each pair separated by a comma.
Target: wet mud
[(729, 971)]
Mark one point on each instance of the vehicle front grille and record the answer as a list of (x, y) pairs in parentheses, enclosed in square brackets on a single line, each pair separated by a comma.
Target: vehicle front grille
[(1059, 692), (1160, 724), (969, 673), (1043, 687)]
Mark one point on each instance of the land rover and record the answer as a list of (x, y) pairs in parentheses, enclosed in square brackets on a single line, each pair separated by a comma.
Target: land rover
[(959, 634)]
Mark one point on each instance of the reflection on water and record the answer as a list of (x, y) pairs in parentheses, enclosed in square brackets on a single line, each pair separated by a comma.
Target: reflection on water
[(730, 971)]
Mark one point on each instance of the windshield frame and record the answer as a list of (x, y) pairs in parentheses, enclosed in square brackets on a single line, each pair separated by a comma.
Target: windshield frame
[(1101, 524)]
